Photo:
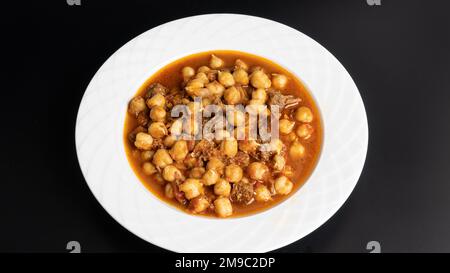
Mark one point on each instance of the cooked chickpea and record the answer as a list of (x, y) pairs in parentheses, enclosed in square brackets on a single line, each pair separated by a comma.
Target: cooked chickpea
[(158, 113), (278, 162), (236, 118), (292, 137), (215, 62), (194, 106), (210, 177), (259, 95), (257, 171), (241, 76), (216, 164), (191, 188), (137, 105), (304, 131), (216, 88), (279, 81), (148, 168), (297, 150), (194, 85), (168, 191), (176, 128), (202, 76), (226, 78), (199, 204), (171, 173), (240, 64), (262, 193), (187, 72), (232, 96), (223, 207), (203, 69), (147, 155), (169, 141), (286, 126), (288, 171), (157, 129), (233, 173), (143, 141), (157, 100), (283, 185), (197, 172), (304, 114), (229, 147), (179, 150), (276, 145), (259, 79), (162, 158), (222, 188)]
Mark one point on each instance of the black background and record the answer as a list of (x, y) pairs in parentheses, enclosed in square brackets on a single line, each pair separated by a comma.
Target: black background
[(397, 53)]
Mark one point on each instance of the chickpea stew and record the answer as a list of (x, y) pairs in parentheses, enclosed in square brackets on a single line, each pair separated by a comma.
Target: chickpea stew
[(222, 173)]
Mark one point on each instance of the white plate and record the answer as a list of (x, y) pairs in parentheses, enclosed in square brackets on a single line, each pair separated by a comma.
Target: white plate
[(101, 152)]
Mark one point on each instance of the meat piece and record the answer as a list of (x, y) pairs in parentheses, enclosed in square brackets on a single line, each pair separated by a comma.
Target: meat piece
[(242, 192), (175, 97), (283, 101), (241, 159), (158, 143), (143, 118), (179, 195), (132, 134), (155, 88), (204, 150)]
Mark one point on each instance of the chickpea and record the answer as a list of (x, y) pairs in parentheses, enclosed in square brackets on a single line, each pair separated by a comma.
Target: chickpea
[(176, 128), (233, 173), (260, 95), (169, 141), (222, 188), (276, 145), (215, 164), (283, 185), (232, 96), (197, 172), (216, 88), (202, 76), (148, 168), (162, 158), (158, 113), (262, 193), (194, 107), (194, 85), (198, 204), (297, 150), (168, 191), (147, 155), (226, 78), (279, 81), (179, 150), (241, 76), (288, 171), (236, 118), (157, 100), (292, 137), (223, 207), (304, 131), (257, 171), (215, 62), (240, 64), (259, 79), (256, 68), (304, 114), (143, 141), (137, 105), (171, 173), (248, 146), (210, 177), (191, 188), (187, 72), (286, 126), (203, 69), (157, 130), (229, 147), (279, 162), (256, 103)]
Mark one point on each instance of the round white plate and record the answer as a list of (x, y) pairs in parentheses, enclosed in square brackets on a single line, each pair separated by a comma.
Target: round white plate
[(101, 153)]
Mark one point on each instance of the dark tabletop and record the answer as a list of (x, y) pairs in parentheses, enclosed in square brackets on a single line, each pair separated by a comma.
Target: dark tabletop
[(397, 53)]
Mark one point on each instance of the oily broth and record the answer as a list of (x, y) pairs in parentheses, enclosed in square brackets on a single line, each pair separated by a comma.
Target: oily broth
[(170, 76)]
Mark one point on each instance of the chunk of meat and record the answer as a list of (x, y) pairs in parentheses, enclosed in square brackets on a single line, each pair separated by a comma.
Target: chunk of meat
[(155, 88), (283, 101), (205, 149), (242, 192), (179, 195), (241, 159), (143, 118), (132, 134)]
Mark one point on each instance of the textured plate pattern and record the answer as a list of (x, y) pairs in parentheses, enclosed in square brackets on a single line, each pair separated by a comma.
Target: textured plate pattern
[(102, 157)]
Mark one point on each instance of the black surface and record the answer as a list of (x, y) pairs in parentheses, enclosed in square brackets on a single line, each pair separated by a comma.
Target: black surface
[(397, 53)]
